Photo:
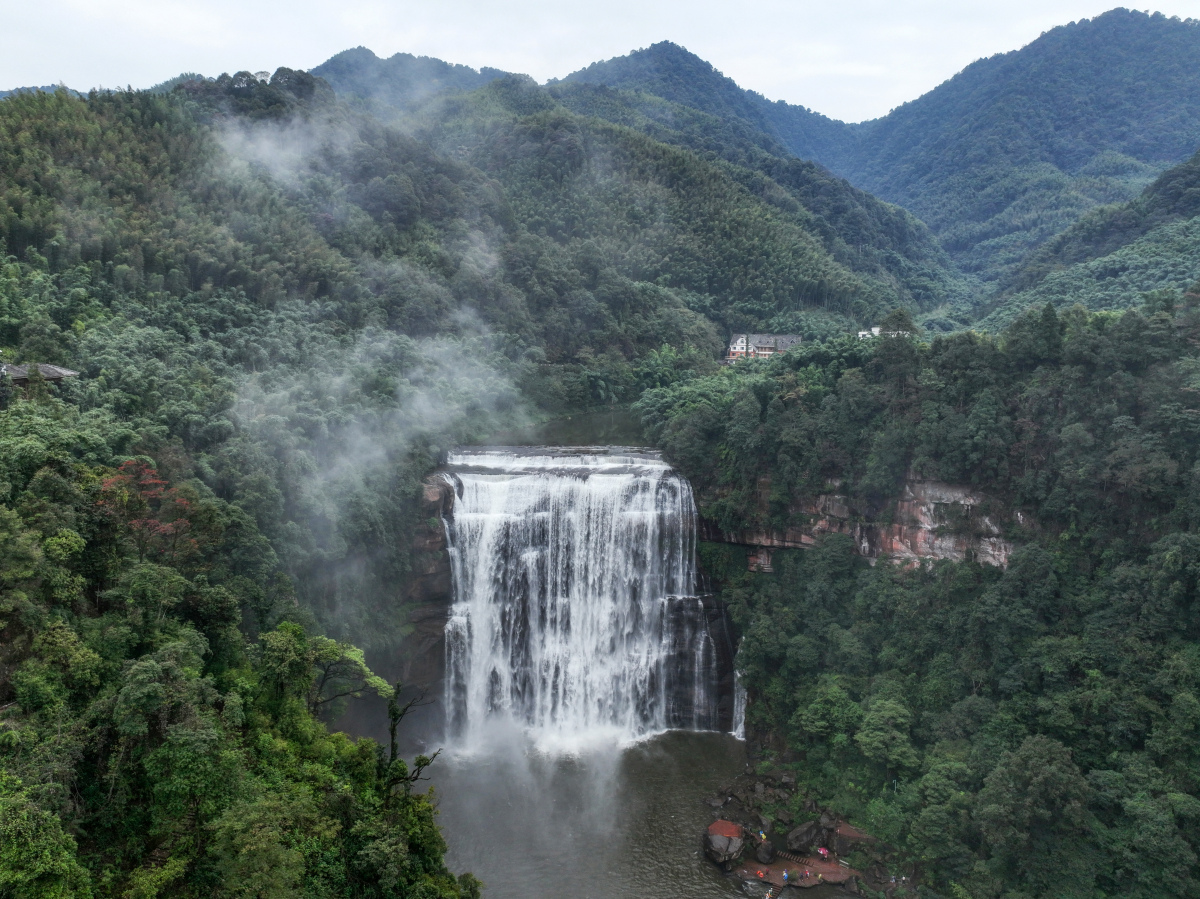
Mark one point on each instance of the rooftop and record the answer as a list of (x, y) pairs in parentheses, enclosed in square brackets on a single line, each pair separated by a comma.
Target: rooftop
[(19, 373)]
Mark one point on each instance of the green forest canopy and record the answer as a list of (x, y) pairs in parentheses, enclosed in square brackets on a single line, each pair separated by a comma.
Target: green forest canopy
[(1026, 731), (284, 308)]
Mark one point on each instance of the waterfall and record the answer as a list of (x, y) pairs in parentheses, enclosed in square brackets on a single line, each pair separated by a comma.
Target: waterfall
[(739, 708), (575, 615)]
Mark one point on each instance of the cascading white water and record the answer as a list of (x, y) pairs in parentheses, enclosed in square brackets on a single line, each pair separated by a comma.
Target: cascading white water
[(739, 708), (575, 615)]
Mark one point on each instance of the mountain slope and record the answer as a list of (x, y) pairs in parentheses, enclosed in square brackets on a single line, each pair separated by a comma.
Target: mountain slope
[(1004, 155), (887, 253), (877, 240), (851, 254), (659, 214), (1115, 255), (174, 519), (1018, 146), (669, 71)]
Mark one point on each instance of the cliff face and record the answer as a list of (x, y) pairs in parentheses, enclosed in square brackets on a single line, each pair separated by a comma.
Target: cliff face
[(428, 593), (931, 520)]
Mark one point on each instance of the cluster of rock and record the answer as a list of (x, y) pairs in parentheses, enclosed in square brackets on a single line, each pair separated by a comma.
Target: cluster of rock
[(756, 804), (828, 831), (754, 824)]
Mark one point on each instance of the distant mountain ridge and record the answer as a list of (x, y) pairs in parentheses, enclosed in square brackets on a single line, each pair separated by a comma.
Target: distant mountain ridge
[(402, 80), (1004, 155), (997, 161), (45, 89), (676, 74)]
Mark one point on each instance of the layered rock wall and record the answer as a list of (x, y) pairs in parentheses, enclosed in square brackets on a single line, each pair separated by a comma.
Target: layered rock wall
[(428, 593), (930, 520)]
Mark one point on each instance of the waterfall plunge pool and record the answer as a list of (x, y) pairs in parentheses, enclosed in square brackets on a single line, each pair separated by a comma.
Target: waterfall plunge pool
[(615, 822)]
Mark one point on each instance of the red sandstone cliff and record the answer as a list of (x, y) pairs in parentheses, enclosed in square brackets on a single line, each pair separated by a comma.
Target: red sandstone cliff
[(931, 520)]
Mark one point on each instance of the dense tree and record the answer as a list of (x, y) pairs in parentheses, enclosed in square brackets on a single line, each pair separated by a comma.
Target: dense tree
[(1016, 731)]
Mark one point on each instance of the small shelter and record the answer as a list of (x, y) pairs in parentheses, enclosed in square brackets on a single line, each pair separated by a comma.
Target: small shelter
[(19, 374)]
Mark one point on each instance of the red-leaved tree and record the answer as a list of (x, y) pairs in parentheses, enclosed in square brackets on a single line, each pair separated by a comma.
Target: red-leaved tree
[(156, 515)]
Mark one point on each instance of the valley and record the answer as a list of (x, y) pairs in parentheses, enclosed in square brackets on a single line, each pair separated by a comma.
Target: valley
[(401, 528)]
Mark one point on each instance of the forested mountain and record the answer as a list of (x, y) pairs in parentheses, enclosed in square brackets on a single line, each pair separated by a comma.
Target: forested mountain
[(1116, 254), (882, 252), (285, 300), (1017, 731), (1018, 146), (238, 460), (882, 243), (402, 80), (1004, 155), (673, 73)]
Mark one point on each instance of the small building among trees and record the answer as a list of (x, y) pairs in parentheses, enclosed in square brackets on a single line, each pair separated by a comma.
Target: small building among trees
[(19, 374), (758, 346)]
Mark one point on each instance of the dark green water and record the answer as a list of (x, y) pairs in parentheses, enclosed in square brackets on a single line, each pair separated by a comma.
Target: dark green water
[(614, 823)]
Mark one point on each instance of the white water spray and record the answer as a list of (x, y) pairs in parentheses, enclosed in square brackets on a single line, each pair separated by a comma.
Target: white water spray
[(575, 616), (739, 707)]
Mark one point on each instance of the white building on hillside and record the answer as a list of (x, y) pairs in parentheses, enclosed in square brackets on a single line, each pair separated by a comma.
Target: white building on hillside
[(757, 346)]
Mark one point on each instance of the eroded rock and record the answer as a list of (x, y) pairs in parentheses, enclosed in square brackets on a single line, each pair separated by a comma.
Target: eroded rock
[(724, 842), (805, 837), (929, 521)]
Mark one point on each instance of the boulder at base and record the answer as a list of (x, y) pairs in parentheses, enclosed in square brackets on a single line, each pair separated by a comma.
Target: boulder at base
[(724, 842), (846, 838), (804, 837)]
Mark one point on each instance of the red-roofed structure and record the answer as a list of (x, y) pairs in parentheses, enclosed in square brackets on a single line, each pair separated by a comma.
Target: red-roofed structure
[(723, 828)]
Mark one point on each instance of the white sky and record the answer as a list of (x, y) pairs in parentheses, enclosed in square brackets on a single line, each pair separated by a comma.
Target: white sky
[(853, 59)]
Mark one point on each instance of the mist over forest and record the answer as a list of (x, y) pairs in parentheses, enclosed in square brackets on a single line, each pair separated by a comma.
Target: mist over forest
[(281, 299)]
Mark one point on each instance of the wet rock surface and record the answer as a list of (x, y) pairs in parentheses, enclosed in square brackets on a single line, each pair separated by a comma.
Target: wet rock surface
[(725, 842), (427, 591)]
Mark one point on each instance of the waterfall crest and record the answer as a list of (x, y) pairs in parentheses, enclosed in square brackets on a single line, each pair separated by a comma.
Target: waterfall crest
[(575, 615)]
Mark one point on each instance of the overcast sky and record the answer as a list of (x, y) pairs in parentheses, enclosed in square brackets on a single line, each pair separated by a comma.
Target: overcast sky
[(853, 59)]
